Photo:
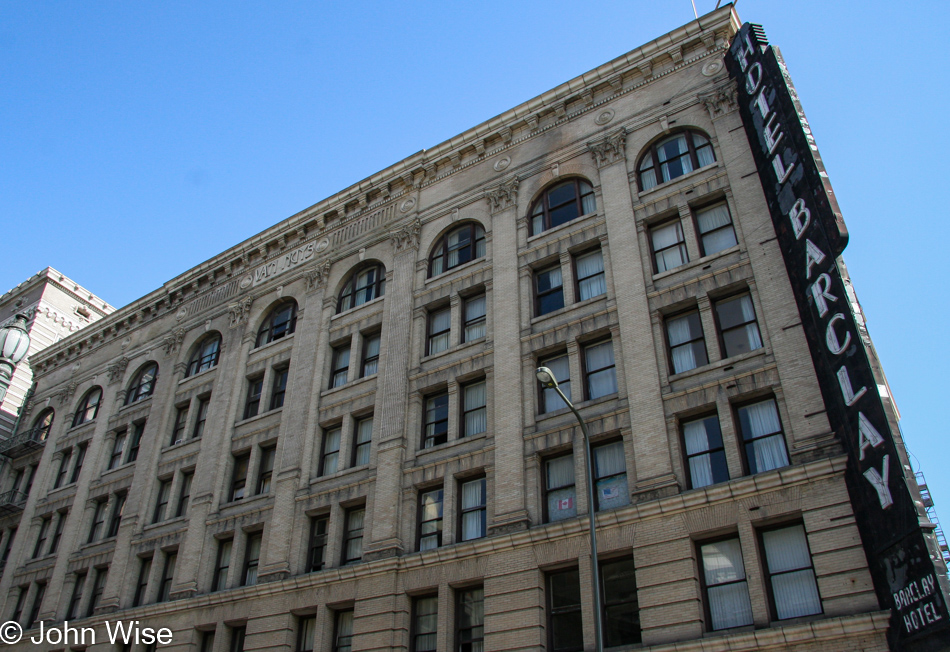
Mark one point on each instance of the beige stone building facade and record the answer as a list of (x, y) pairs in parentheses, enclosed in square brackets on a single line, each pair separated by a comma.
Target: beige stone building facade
[(331, 437)]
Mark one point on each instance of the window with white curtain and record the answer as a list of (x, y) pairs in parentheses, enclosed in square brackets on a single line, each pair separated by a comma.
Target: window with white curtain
[(561, 494), (440, 324), (673, 157), (425, 622), (705, 455), (474, 509), (474, 412), (599, 369), (340, 365), (738, 328), (669, 246), (474, 318), (610, 472), (724, 579), (353, 535), (370, 355), (457, 247), (430, 519), (364, 435), (590, 275), (435, 429), (560, 366), (791, 574), (330, 459), (685, 337), (715, 228), (763, 437)]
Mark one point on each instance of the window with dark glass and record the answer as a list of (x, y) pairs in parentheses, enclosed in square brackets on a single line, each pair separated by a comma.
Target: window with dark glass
[(725, 585), (181, 420), (425, 622), (364, 436), (684, 335), (306, 633), (560, 492), (115, 519), (548, 290), (15, 485), (364, 285), (205, 356), (738, 329), (669, 246), (41, 538), (37, 603), (610, 476), (474, 411), (793, 591), (80, 458), (370, 355), (473, 504), (58, 531), (436, 426), (565, 625), (470, 620), (673, 157), (279, 389), (89, 407), (590, 275), (72, 610), (599, 369), (31, 476), (715, 229), (7, 547), (330, 457), (184, 493), (255, 386), (168, 574), (134, 442), (281, 322), (343, 631), (353, 535), (239, 477), (42, 425), (252, 558), (762, 435), (222, 565), (141, 585), (473, 310), (317, 550), (560, 366), (430, 519), (98, 521), (238, 634), (20, 600), (562, 203), (340, 365), (439, 327), (266, 470), (164, 491), (457, 247), (98, 587), (621, 611), (705, 455), (63, 468), (207, 641), (143, 384), (201, 418)]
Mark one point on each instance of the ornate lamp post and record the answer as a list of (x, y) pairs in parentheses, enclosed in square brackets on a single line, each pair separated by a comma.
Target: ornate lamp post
[(548, 381), (14, 345)]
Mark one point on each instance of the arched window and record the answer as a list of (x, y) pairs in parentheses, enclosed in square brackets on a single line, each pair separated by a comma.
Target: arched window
[(281, 321), (88, 407), (205, 355), (365, 284), (562, 203), (143, 384), (673, 157), (457, 247), (42, 425)]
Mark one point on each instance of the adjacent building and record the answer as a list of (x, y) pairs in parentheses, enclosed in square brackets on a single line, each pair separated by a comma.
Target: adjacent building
[(331, 436)]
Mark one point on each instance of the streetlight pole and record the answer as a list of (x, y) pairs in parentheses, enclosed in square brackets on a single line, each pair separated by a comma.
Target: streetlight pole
[(547, 379), (14, 345)]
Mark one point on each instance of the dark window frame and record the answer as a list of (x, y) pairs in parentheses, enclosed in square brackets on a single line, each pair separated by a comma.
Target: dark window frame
[(609, 603), (684, 314), (721, 332), (115, 518), (465, 636), (239, 473), (325, 453), (163, 498), (118, 449), (768, 574), (360, 445), (98, 588), (306, 624), (204, 404), (351, 534), (370, 361), (541, 296), (184, 494), (441, 249), (339, 372), (317, 543), (696, 210), (704, 587), (577, 275), (692, 153), (339, 644), (463, 412), (610, 441), (252, 563), (265, 469), (482, 508), (77, 465), (252, 401), (82, 414), (588, 373), (43, 424), (63, 471), (680, 244), (370, 292), (134, 442), (542, 202), (277, 326), (37, 603), (98, 520), (142, 386), (168, 576), (421, 519), (438, 437), (181, 421), (222, 564), (543, 392), (414, 629), (687, 456), (75, 597), (552, 611), (748, 444), (203, 359), (279, 387), (446, 332), (41, 537), (141, 585), (547, 489), (476, 321)]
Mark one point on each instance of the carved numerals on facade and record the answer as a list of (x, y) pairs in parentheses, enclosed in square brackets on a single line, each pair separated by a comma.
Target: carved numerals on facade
[(238, 312), (504, 196), (610, 149), (407, 237)]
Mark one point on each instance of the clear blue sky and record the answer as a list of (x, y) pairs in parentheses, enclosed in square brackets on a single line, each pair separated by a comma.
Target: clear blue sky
[(138, 139)]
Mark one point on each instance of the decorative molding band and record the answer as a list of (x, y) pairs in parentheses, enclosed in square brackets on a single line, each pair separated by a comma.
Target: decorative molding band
[(504, 196), (407, 237)]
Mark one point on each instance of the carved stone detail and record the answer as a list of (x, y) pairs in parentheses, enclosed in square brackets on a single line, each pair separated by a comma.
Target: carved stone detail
[(721, 101), (646, 68), (407, 237), (238, 312), (173, 340), (317, 275), (504, 196), (67, 392), (610, 149), (117, 369)]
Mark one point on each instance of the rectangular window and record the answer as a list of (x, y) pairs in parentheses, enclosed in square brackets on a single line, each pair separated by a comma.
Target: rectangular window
[(705, 455), (118, 446), (561, 494), (330, 459), (98, 587), (63, 468), (118, 506), (793, 591), (181, 420), (7, 547), (474, 317), (474, 412), (207, 641), (184, 493), (58, 532), (565, 625), (141, 586), (684, 334), (473, 509), (425, 622), (266, 471), (341, 366), (560, 366), (440, 324), (548, 290), (621, 624), (41, 539), (599, 369), (724, 580), (353, 535), (370, 355), (430, 519), (253, 403), (364, 436), (669, 246), (37, 603), (738, 329), (279, 388), (238, 635), (239, 477), (763, 437), (136, 439), (199, 428), (80, 458), (164, 491), (72, 611), (29, 482), (316, 557), (610, 470), (20, 600), (168, 574), (590, 275), (252, 558), (306, 633), (470, 620), (436, 426), (715, 229), (98, 521), (222, 565), (343, 631)]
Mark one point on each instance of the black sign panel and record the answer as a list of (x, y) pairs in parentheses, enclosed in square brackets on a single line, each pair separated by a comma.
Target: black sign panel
[(904, 560)]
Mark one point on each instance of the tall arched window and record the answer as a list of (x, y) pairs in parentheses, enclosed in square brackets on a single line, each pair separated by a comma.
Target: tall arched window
[(457, 247), (42, 425), (673, 157), (562, 203), (364, 284), (281, 321), (88, 407), (143, 384), (205, 355)]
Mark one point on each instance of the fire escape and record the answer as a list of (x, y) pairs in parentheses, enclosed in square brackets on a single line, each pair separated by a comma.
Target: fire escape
[(932, 515)]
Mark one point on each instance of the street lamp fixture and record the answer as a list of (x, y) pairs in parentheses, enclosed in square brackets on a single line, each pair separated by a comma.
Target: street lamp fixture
[(14, 345), (549, 381)]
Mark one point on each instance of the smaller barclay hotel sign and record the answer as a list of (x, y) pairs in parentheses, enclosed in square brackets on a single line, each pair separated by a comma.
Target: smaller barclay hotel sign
[(903, 557)]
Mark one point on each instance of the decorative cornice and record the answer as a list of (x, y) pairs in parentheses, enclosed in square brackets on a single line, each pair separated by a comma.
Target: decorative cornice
[(117, 369), (317, 275), (721, 101), (504, 196), (238, 312), (407, 237), (610, 149)]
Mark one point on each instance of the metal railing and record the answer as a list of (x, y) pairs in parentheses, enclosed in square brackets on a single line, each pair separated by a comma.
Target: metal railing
[(12, 502), (932, 515), (23, 442)]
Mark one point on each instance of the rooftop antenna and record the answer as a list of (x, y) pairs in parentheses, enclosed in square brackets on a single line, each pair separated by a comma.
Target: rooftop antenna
[(694, 8)]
